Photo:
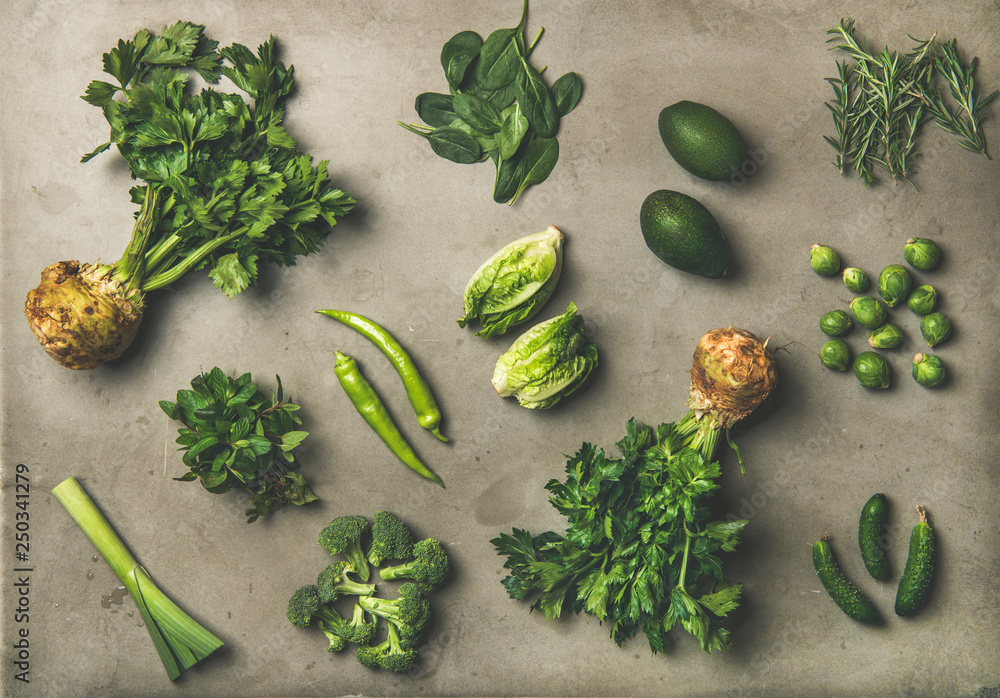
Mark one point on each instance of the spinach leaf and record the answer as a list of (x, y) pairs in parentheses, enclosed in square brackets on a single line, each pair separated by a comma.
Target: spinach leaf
[(513, 126), (537, 101), (501, 99), (540, 156), (477, 112), (435, 109), (566, 91), (450, 143), (506, 180), (458, 53), (501, 55)]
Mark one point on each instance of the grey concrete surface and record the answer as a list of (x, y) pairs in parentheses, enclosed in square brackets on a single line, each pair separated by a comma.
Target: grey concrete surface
[(421, 227)]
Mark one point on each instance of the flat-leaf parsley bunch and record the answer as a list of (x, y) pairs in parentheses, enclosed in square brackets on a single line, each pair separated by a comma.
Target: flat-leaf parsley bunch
[(640, 551), (236, 435)]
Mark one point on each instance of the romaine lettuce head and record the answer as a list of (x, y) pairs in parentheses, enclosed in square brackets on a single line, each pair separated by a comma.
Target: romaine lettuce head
[(546, 363), (513, 285)]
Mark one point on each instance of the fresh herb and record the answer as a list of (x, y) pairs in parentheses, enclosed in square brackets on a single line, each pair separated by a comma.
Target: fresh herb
[(498, 107), (235, 435), (882, 99), (641, 551), (225, 187), (181, 642)]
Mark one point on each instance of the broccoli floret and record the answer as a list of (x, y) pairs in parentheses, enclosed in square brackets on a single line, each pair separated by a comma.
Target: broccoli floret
[(389, 654), (359, 629), (429, 568), (391, 539), (343, 537), (333, 583), (410, 609), (305, 605), (337, 643)]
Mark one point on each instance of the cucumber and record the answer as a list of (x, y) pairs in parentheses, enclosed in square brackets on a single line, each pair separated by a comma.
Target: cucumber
[(915, 584), (870, 537), (850, 599)]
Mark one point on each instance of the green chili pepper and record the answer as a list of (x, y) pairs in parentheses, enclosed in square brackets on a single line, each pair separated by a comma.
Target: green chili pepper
[(368, 404), (417, 390)]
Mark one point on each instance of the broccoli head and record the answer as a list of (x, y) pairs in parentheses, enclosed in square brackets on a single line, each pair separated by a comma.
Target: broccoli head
[(305, 606), (358, 629), (410, 609), (343, 537), (391, 539), (429, 568), (389, 654), (337, 642), (334, 582)]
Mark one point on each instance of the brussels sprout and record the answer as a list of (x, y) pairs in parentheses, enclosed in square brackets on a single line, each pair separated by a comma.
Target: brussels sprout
[(935, 328), (886, 336), (921, 253), (546, 363), (823, 260), (894, 284), (513, 285), (867, 311), (836, 323), (872, 370), (836, 354), (922, 300), (928, 370), (855, 280)]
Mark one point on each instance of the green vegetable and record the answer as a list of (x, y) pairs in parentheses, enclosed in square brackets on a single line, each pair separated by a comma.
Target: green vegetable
[(836, 323), (855, 280), (640, 552), (921, 253), (702, 141), (179, 640), (887, 336), (882, 99), (928, 370), (868, 312), (844, 593), (513, 285), (429, 567), (922, 300), (935, 328), (915, 583), (225, 188), (391, 539), (406, 617), (546, 363), (333, 582), (824, 260), (836, 354), (894, 284), (235, 435), (342, 536), (683, 233), (366, 401), (870, 529), (871, 370), (500, 108), (417, 391)]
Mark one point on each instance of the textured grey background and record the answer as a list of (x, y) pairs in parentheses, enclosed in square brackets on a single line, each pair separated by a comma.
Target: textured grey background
[(421, 227)]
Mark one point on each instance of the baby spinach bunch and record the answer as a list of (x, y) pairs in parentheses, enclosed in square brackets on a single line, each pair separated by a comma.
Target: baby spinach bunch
[(498, 107), (235, 435), (640, 550)]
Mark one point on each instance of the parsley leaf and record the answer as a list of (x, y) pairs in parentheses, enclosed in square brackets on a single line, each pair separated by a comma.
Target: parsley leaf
[(639, 552)]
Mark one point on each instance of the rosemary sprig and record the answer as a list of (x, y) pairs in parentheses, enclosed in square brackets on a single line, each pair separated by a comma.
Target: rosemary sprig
[(883, 98)]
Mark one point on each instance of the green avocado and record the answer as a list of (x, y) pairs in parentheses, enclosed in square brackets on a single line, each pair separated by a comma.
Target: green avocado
[(684, 234), (702, 141)]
